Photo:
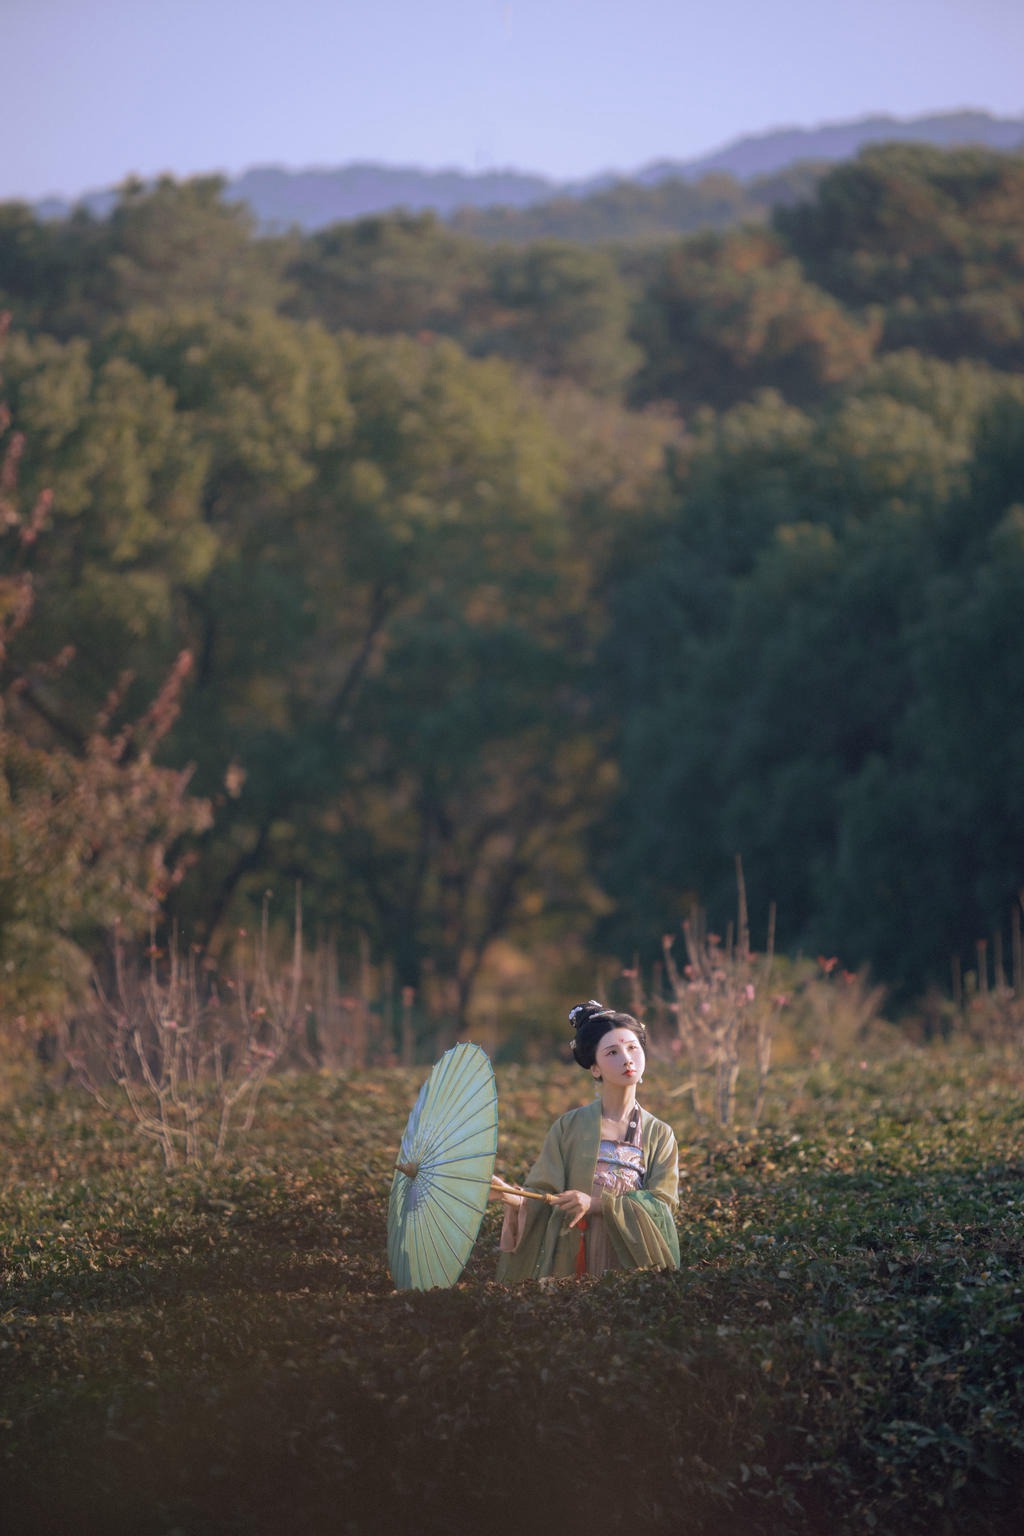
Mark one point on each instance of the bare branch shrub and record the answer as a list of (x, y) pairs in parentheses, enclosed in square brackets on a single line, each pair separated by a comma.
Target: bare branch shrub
[(840, 1008), (184, 1057), (989, 1001), (720, 1006), (342, 1021)]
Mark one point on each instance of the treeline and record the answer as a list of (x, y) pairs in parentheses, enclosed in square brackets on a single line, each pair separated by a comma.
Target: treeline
[(523, 586), (630, 211)]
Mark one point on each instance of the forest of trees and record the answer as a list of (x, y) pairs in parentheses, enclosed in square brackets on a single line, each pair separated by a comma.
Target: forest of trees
[(501, 592)]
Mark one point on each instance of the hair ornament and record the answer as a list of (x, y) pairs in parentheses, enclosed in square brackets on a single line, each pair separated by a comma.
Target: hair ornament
[(583, 1011)]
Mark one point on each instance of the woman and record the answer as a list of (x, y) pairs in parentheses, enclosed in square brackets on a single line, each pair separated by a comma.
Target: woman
[(610, 1168)]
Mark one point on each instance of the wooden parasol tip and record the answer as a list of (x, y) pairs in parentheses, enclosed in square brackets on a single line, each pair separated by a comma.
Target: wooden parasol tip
[(409, 1169)]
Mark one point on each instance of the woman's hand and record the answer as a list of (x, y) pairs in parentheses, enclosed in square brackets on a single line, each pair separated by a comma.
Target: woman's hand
[(573, 1204), (506, 1193)]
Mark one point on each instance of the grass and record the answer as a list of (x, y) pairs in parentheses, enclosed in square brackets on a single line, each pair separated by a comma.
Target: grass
[(221, 1353)]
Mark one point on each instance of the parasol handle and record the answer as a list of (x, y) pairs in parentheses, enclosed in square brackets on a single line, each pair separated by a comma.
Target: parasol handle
[(517, 1189)]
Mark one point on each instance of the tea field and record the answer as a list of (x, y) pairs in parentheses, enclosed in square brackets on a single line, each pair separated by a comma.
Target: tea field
[(221, 1352)]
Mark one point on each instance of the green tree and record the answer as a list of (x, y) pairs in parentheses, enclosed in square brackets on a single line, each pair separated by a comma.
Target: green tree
[(398, 714), (930, 238), (561, 310), (177, 243), (722, 317), (50, 269), (166, 244), (125, 475), (364, 544), (817, 714), (401, 274)]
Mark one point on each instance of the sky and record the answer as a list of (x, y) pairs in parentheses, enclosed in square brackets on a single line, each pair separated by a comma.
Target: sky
[(96, 90)]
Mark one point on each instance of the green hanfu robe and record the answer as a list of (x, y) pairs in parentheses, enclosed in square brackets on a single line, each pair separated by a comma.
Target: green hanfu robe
[(639, 1224)]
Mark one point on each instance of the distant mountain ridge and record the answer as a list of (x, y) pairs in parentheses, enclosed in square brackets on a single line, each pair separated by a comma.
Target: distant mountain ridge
[(310, 199), (764, 153)]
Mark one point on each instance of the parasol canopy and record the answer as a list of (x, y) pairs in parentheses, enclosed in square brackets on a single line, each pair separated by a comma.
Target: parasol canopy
[(443, 1172)]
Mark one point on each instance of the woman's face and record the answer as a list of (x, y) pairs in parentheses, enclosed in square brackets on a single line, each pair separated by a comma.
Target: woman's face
[(620, 1058)]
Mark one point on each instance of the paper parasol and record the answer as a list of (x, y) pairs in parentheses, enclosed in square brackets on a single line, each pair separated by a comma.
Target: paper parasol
[(443, 1172)]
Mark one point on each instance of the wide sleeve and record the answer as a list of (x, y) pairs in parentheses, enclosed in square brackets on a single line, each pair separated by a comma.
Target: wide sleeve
[(548, 1247), (641, 1224), (524, 1233), (548, 1173)]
